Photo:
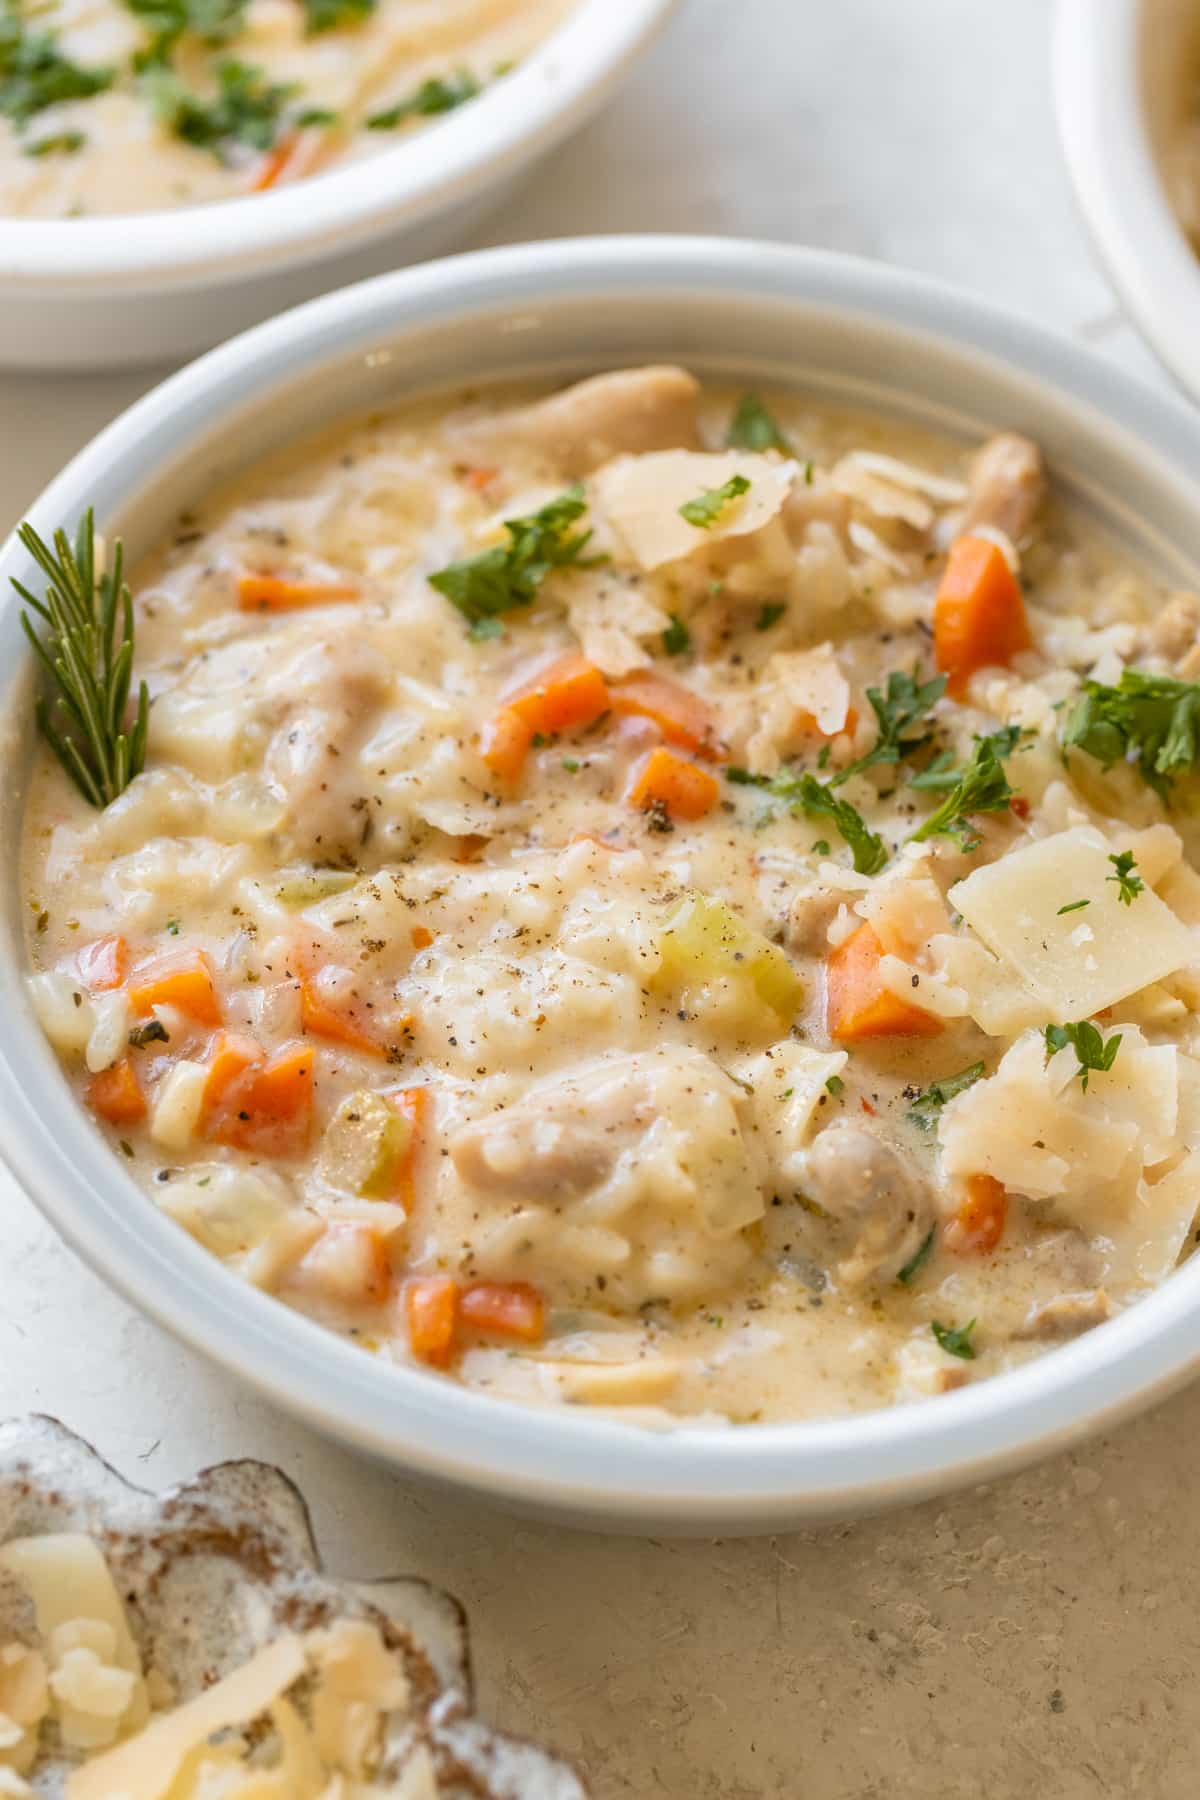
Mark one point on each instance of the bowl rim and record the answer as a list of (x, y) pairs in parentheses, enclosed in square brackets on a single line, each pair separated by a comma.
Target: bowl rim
[(444, 165), (588, 1470), (1098, 98)]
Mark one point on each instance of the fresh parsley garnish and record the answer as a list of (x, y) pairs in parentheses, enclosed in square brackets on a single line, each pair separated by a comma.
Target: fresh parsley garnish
[(1090, 1048), (1076, 905), (59, 143), (927, 1106), (772, 612), (919, 1258), (314, 117), (820, 848), (34, 74), (901, 710), (212, 21), (329, 15), (676, 639), (1129, 885), (753, 428), (835, 1086), (247, 108), (707, 507), (981, 786), (955, 1339), (440, 94), (509, 575), (805, 794), (1151, 721)]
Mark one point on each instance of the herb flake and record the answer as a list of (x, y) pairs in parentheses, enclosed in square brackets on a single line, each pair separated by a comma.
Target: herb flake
[(704, 511), (1091, 1049), (509, 575), (955, 1340)]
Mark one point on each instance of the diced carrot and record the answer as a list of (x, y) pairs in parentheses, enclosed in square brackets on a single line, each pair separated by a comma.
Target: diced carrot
[(431, 1307), (683, 790), (564, 696), (296, 154), (421, 937), (805, 721), (857, 1003), (103, 964), (183, 980), (504, 743), (506, 1308), (978, 616), (413, 1102), (328, 1015), (279, 593), (349, 1265), (259, 1103), (229, 1059), (115, 1094), (978, 1221), (682, 716)]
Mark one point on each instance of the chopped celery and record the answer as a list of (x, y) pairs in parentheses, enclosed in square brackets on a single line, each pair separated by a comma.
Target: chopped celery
[(364, 1145), (705, 940), (304, 887)]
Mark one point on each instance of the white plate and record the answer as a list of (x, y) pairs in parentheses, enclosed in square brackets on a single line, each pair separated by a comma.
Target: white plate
[(844, 330), (144, 287), (1115, 62)]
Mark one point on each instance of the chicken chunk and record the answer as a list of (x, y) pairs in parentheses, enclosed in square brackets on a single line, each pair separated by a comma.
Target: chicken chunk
[(324, 700), (1065, 1316), (627, 413), (1006, 487), (876, 1211), (1176, 629)]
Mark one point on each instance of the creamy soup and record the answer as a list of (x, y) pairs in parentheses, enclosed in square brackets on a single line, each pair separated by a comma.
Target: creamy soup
[(651, 897), (120, 106)]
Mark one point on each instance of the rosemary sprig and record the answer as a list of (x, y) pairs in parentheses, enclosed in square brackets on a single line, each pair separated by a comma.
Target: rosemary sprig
[(87, 653)]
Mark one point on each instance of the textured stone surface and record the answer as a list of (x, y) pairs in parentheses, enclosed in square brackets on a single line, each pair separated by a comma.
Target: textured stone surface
[(1039, 1637)]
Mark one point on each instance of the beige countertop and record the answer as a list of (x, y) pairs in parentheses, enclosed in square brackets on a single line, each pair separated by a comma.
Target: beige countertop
[(1039, 1637)]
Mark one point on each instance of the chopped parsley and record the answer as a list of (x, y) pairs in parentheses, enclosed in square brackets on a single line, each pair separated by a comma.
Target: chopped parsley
[(571, 764), (315, 116), (927, 1106), (707, 507), (677, 639), (1150, 721), (980, 786), (1075, 905), (752, 427), (440, 94), (34, 74), (509, 575), (919, 1258), (805, 794), (212, 21), (172, 925), (835, 1086), (247, 108), (1129, 885), (820, 848), (329, 15), (955, 1340), (1090, 1048), (60, 143), (772, 612), (901, 710)]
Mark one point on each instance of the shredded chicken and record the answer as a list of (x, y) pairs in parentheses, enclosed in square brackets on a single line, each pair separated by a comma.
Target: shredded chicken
[(878, 1210), (1006, 487), (631, 412)]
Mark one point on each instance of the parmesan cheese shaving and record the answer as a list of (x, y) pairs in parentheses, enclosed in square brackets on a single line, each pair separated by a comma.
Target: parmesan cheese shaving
[(641, 497)]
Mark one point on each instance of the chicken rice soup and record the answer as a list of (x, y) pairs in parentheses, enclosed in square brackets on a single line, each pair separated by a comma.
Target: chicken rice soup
[(647, 897), (122, 106)]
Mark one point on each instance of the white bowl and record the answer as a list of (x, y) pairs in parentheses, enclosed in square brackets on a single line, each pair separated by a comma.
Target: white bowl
[(1118, 70), (842, 329), (144, 287)]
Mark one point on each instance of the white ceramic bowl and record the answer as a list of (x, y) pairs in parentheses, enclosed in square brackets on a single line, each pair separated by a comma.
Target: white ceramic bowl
[(1120, 68), (842, 329), (141, 288)]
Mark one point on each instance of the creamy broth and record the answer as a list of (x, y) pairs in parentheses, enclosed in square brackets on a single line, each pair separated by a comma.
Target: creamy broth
[(126, 113), (624, 1046)]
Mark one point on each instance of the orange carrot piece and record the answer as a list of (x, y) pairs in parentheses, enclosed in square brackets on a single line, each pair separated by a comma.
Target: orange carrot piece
[(103, 964), (431, 1307), (337, 1024), (682, 717), (421, 937), (183, 980), (683, 790), (504, 743), (806, 722), (257, 1103), (115, 1094), (510, 1309), (978, 616), (348, 1265), (978, 1222), (232, 1055), (564, 696), (857, 1003), (295, 155), (279, 593)]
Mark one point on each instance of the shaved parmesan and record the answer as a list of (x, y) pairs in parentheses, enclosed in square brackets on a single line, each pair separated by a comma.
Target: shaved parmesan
[(1143, 1244), (1013, 905), (641, 496), (813, 681)]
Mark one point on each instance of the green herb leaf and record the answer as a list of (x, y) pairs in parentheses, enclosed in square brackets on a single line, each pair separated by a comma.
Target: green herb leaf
[(926, 1108), (1129, 885), (753, 428), (441, 94), (246, 109), (835, 1086), (1151, 721), (509, 575), (820, 848), (87, 655), (1076, 905), (331, 15), (707, 507), (982, 786), (61, 143), (34, 74), (955, 1340), (571, 764), (772, 612), (805, 794), (677, 639), (211, 21), (1090, 1048), (903, 705), (313, 118), (919, 1258)]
